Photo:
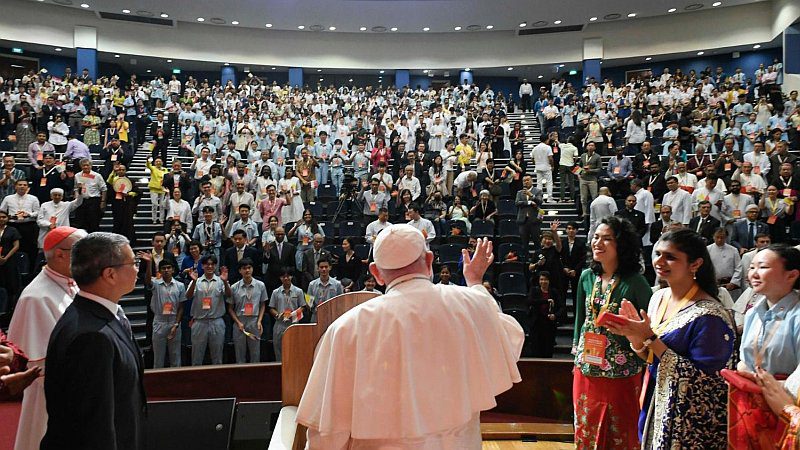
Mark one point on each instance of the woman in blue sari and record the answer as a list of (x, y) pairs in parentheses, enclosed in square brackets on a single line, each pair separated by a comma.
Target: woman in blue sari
[(686, 337)]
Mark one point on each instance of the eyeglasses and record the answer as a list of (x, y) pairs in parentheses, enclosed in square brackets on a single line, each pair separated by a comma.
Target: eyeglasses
[(134, 263)]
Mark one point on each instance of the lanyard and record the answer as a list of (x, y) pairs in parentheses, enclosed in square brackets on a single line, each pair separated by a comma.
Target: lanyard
[(761, 349), (605, 298), (207, 292), (660, 322), (773, 206)]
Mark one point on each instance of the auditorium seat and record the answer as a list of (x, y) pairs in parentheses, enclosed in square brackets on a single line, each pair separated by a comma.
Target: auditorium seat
[(508, 230), (450, 253), (512, 283), (482, 228), (505, 247), (350, 229), (506, 209)]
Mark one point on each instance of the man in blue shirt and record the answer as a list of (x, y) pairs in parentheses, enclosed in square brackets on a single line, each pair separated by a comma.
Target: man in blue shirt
[(620, 169)]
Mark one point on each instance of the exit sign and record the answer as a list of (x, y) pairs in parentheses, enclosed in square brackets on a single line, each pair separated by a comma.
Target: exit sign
[(176, 71), (16, 50)]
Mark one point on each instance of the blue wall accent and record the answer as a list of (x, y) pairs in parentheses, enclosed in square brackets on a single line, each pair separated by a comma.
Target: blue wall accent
[(464, 75), (748, 61), (296, 76), (591, 69), (227, 73), (791, 49), (87, 59), (402, 78)]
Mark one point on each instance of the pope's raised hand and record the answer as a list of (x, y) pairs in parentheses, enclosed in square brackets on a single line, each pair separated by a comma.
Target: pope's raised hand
[(475, 266)]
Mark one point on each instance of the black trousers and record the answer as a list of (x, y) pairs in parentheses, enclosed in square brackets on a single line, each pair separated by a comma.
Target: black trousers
[(530, 231), (525, 102), (29, 242), (88, 215)]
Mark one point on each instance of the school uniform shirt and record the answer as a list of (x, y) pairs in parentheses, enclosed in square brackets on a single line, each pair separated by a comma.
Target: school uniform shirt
[(248, 298), (209, 298), (166, 298), (57, 214)]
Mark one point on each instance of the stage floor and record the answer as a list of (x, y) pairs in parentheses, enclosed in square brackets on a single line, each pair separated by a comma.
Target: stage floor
[(519, 445)]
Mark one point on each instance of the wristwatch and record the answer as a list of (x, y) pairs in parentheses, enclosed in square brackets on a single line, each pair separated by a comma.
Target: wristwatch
[(647, 342)]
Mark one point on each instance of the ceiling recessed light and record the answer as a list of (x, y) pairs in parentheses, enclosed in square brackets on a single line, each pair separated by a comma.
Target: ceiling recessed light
[(557, 22), (457, 28), (648, 58), (169, 60), (425, 71), (362, 29), (523, 24), (84, 5), (715, 4), (592, 19), (331, 28), (561, 65), (200, 19), (268, 25), (489, 27), (467, 69), (126, 11), (301, 27), (757, 46), (672, 10), (393, 28), (227, 64), (540, 77), (148, 70), (510, 68), (164, 15), (234, 22), (58, 49), (700, 53), (273, 68), (116, 56), (426, 29), (382, 71), (319, 70), (322, 79), (631, 15)]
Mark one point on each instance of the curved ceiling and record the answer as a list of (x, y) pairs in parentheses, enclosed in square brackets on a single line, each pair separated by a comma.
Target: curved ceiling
[(400, 16)]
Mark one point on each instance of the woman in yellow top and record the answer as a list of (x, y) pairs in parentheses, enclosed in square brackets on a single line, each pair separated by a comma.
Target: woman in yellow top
[(465, 154), (122, 129), (157, 191)]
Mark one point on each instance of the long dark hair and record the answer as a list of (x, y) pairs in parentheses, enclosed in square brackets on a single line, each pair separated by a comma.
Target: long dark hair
[(629, 247), (693, 245)]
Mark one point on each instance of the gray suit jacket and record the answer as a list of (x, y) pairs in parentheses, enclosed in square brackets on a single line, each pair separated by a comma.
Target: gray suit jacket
[(527, 212)]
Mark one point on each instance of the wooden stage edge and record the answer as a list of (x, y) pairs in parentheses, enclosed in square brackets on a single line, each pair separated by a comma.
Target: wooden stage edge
[(558, 432), (520, 445)]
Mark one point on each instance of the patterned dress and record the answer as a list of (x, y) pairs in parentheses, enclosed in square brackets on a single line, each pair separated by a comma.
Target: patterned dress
[(606, 384), (685, 404)]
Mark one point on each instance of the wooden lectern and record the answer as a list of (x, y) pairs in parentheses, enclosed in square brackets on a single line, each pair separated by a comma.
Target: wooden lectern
[(299, 343)]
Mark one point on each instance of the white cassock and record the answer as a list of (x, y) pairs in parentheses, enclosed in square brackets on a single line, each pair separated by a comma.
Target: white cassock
[(40, 306), (411, 369)]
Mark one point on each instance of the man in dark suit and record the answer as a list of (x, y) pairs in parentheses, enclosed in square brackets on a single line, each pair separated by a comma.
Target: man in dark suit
[(277, 256), (95, 396), (310, 259), (160, 123), (527, 202), (573, 256), (634, 216), (745, 230), (661, 224), (704, 224), (240, 250), (655, 182), (184, 182)]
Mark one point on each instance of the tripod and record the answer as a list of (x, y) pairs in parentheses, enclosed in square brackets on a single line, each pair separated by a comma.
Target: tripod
[(343, 199)]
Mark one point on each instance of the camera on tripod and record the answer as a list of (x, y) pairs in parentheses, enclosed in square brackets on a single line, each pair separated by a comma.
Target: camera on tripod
[(350, 186)]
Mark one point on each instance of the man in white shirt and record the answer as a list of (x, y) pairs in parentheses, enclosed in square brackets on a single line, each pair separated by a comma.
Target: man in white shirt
[(708, 191), (422, 224), (386, 411), (38, 309), (603, 206), (375, 227), (759, 160), (567, 160), (525, 91), (22, 209), (410, 182), (646, 204), (679, 200), (542, 156), (724, 257)]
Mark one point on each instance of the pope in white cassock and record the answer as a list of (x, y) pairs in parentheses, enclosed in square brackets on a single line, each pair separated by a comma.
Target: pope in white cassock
[(414, 367), (40, 306)]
